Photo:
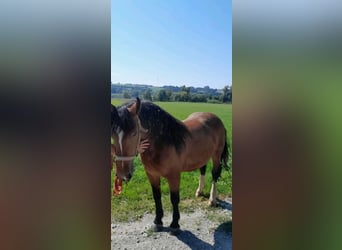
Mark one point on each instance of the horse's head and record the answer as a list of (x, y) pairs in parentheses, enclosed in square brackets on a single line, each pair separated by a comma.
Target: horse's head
[(126, 132)]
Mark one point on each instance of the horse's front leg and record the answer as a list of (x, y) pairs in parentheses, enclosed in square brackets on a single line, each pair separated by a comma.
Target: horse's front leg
[(201, 183), (155, 183), (174, 195)]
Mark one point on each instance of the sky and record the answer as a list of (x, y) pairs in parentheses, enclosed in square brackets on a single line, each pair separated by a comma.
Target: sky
[(171, 42)]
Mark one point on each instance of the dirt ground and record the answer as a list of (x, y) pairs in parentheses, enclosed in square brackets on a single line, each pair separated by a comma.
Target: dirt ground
[(200, 229)]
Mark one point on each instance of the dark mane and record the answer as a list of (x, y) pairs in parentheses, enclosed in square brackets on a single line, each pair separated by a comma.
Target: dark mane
[(163, 129), (125, 123)]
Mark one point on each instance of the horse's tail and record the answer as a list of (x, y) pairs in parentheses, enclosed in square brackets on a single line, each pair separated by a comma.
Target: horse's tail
[(225, 153)]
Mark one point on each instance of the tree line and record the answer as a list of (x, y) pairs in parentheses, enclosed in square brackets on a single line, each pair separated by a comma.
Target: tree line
[(173, 93)]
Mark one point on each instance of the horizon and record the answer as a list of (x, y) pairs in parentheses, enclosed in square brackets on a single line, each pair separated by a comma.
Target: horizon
[(172, 43), (166, 85)]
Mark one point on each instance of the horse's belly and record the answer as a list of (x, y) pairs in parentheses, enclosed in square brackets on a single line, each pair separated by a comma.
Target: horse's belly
[(161, 164), (193, 163)]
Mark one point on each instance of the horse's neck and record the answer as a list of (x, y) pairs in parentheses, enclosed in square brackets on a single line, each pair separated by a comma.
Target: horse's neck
[(143, 136)]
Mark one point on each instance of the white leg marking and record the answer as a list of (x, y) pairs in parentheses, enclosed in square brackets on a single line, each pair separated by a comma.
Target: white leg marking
[(212, 199), (200, 185)]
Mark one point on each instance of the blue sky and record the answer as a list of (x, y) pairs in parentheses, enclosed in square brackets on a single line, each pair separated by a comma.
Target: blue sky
[(171, 42)]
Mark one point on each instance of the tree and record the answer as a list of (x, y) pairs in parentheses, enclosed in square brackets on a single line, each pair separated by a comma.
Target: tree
[(182, 97), (184, 94), (186, 89), (226, 95), (198, 98), (135, 93), (126, 95), (147, 95), (162, 96), (169, 94)]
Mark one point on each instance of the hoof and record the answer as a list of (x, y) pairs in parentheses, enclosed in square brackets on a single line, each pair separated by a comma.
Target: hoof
[(174, 231), (199, 194), (212, 203), (157, 228)]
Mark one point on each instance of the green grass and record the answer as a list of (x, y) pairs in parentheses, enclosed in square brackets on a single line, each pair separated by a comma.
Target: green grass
[(136, 197)]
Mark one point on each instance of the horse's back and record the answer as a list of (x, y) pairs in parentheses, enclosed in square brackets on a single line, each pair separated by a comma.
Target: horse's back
[(206, 141), (197, 115), (203, 120)]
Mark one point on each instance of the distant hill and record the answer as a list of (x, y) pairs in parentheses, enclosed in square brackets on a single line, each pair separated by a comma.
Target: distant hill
[(168, 92)]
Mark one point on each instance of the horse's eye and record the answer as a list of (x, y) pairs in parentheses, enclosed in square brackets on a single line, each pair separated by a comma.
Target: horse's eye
[(134, 134)]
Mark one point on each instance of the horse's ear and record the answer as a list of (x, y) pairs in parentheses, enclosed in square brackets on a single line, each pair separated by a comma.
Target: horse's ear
[(114, 115), (136, 107)]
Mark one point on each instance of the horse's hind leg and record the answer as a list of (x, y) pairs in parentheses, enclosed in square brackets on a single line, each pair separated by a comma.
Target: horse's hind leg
[(201, 181), (216, 173), (174, 182), (155, 183)]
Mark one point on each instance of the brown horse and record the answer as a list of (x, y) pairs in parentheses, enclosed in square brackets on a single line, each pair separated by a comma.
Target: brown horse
[(175, 146)]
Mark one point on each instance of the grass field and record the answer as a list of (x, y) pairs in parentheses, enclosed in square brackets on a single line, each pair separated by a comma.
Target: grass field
[(136, 197)]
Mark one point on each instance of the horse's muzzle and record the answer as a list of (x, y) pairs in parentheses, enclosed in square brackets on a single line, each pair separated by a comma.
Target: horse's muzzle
[(125, 178), (129, 176), (124, 170)]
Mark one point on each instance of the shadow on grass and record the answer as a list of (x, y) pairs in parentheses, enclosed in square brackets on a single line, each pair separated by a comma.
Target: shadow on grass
[(225, 204), (220, 203), (188, 238), (192, 241), (223, 236)]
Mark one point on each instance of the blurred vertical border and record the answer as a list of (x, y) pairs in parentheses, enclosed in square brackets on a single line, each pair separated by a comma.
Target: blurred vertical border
[(55, 132), (287, 124)]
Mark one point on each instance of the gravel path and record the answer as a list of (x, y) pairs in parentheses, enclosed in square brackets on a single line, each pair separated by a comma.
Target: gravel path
[(201, 229)]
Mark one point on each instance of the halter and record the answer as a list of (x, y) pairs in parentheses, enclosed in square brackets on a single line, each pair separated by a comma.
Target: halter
[(124, 158), (130, 158)]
